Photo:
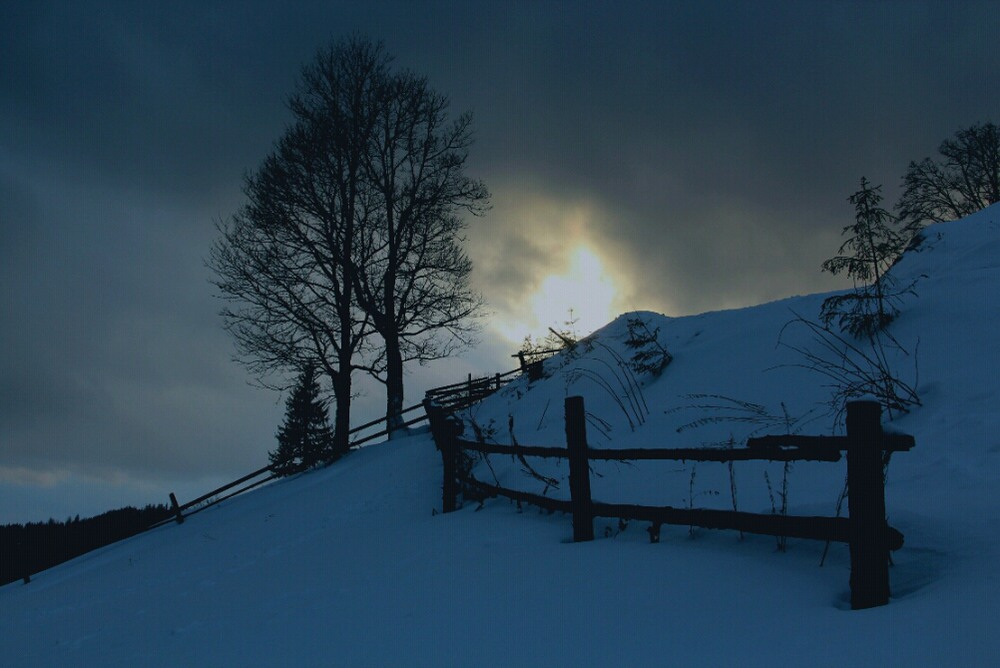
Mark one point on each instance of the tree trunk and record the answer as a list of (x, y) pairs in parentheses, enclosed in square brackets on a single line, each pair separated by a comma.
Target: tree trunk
[(390, 331), (393, 385), (342, 412)]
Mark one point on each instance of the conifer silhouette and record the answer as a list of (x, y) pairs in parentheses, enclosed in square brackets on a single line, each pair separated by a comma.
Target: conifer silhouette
[(305, 439)]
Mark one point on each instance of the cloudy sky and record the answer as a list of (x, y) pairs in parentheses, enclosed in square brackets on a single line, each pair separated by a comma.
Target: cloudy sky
[(677, 157)]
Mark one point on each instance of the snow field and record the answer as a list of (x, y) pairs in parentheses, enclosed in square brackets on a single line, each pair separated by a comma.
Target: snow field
[(350, 565)]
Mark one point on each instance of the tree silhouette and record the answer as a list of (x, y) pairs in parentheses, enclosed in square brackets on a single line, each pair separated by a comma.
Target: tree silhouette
[(871, 247), (285, 261), (965, 179), (305, 438), (414, 281), (348, 255)]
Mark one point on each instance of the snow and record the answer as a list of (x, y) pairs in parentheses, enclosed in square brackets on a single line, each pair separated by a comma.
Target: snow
[(352, 566)]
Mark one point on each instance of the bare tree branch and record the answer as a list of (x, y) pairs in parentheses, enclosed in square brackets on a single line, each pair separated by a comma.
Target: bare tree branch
[(965, 180)]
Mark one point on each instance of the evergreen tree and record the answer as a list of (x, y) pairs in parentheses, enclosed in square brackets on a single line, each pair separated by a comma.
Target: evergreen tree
[(870, 249), (305, 439), (650, 355)]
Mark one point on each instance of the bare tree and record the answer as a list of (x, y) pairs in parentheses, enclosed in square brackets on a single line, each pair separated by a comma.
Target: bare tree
[(285, 261), (965, 179), (414, 282), (347, 255)]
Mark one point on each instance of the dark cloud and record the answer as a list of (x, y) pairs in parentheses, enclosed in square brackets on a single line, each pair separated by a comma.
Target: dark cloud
[(722, 143), (706, 151)]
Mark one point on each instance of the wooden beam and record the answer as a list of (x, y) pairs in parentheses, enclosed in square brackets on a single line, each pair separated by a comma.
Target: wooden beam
[(176, 508), (816, 528), (835, 529), (889, 442), (718, 454), (548, 503), (675, 454), (579, 469), (866, 500), (215, 492), (523, 450), (798, 441)]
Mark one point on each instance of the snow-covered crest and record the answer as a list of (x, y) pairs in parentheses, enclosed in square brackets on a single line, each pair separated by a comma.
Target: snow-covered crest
[(350, 564)]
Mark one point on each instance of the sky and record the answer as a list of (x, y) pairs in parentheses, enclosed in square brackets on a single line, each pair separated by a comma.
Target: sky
[(675, 157)]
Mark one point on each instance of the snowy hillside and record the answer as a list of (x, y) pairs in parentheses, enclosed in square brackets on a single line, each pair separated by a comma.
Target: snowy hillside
[(351, 565)]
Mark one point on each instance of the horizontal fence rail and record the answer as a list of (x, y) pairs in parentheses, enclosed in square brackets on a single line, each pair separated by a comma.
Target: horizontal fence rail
[(865, 530), (456, 396), (674, 454), (887, 442)]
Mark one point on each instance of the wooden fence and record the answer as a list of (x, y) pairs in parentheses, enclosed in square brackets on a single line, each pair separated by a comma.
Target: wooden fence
[(453, 397), (458, 396), (531, 362), (865, 530)]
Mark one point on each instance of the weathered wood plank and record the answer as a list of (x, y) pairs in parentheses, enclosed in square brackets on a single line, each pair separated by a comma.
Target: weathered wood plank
[(385, 432), (461, 386), (445, 429), (216, 492), (835, 529), (579, 469), (866, 501), (178, 515), (794, 526), (890, 442), (897, 442), (717, 454), (555, 505), (675, 454), (524, 450), (382, 419)]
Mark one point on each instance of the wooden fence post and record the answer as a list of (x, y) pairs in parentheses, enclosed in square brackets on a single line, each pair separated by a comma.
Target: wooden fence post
[(866, 501), (449, 485), (579, 469), (176, 508), (445, 430)]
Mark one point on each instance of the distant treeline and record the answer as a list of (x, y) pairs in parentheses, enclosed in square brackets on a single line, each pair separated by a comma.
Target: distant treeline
[(29, 548)]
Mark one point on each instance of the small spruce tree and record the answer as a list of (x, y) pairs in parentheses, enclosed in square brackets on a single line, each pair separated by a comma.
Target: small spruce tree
[(649, 356), (305, 439), (534, 351), (870, 249)]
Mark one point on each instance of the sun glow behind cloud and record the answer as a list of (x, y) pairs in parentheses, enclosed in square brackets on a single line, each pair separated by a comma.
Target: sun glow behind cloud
[(583, 293)]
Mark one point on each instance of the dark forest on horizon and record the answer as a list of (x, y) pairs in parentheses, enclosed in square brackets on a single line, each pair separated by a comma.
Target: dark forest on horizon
[(29, 548)]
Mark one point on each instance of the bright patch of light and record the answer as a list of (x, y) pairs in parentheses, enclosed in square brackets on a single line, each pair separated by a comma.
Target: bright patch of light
[(583, 293)]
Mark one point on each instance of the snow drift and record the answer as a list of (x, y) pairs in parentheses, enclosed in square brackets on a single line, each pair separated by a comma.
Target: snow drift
[(353, 566)]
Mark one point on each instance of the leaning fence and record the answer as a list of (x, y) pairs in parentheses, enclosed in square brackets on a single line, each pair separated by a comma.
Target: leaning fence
[(454, 397), (865, 530)]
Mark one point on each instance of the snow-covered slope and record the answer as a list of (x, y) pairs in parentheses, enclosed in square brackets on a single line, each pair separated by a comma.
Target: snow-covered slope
[(351, 566)]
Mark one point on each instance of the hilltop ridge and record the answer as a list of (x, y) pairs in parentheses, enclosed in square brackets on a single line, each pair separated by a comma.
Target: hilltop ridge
[(354, 564)]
